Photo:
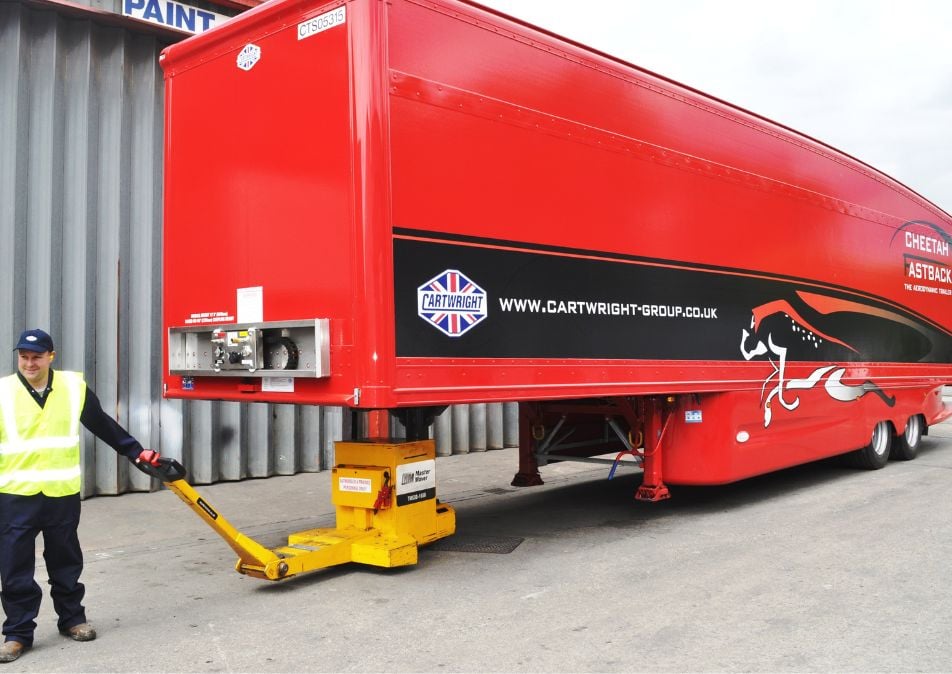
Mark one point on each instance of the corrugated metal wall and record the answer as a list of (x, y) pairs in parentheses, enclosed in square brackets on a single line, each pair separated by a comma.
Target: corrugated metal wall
[(80, 222)]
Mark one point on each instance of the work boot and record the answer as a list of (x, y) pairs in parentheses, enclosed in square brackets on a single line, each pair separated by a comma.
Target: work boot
[(80, 632), (11, 650)]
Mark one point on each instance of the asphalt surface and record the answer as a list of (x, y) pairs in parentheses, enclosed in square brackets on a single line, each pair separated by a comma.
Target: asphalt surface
[(817, 568)]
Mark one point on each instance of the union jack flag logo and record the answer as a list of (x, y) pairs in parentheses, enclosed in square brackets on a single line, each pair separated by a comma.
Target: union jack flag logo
[(451, 302)]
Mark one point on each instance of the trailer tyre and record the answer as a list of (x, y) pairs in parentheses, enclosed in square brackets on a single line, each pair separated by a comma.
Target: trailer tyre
[(906, 444), (875, 455)]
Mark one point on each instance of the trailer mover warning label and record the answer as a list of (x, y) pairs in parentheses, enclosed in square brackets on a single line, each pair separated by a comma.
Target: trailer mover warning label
[(358, 485)]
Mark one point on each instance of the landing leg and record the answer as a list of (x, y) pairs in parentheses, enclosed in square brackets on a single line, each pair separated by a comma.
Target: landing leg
[(652, 487), (530, 433)]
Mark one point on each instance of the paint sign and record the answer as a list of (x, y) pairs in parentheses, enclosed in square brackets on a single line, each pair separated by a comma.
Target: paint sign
[(171, 14)]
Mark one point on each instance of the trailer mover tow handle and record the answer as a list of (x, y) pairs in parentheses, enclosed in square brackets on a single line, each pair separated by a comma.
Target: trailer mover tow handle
[(252, 556)]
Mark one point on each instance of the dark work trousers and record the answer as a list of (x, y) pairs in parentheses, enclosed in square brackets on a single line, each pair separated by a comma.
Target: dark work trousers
[(21, 519)]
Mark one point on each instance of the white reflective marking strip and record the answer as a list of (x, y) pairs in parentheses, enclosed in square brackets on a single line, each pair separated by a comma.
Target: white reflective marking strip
[(33, 444), (40, 476), (6, 405)]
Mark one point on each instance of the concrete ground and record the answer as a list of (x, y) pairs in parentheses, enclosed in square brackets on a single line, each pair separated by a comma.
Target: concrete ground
[(816, 568)]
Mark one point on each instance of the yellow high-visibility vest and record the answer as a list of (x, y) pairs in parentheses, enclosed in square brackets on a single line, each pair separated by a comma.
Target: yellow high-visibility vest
[(39, 447)]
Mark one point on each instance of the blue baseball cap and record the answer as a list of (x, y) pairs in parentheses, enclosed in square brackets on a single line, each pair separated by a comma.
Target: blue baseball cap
[(35, 340)]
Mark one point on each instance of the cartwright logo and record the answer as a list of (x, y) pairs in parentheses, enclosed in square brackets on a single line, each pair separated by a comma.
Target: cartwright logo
[(451, 302)]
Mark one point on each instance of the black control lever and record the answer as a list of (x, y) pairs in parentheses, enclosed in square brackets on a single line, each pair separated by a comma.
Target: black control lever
[(168, 470)]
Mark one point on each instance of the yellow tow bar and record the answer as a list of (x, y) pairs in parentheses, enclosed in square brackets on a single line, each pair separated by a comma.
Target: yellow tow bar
[(385, 500)]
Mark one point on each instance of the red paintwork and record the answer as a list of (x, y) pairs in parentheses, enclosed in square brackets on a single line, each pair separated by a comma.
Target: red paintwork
[(293, 175)]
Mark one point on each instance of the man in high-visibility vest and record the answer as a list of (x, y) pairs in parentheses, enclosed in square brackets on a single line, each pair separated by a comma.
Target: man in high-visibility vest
[(40, 416)]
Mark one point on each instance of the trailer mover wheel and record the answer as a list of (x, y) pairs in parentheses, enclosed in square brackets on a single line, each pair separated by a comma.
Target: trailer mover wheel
[(875, 455), (906, 445)]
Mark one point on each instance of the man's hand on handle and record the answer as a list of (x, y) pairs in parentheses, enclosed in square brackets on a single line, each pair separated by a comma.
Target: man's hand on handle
[(148, 456), (162, 468)]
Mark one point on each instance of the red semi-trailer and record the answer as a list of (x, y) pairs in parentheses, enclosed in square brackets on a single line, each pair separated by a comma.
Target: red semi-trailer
[(409, 204)]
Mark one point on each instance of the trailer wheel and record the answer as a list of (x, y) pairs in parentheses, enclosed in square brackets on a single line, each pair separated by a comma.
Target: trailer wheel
[(906, 444), (875, 455)]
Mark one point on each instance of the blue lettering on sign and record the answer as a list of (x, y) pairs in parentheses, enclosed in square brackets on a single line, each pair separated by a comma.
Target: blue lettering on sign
[(152, 12), (693, 416), (173, 14)]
